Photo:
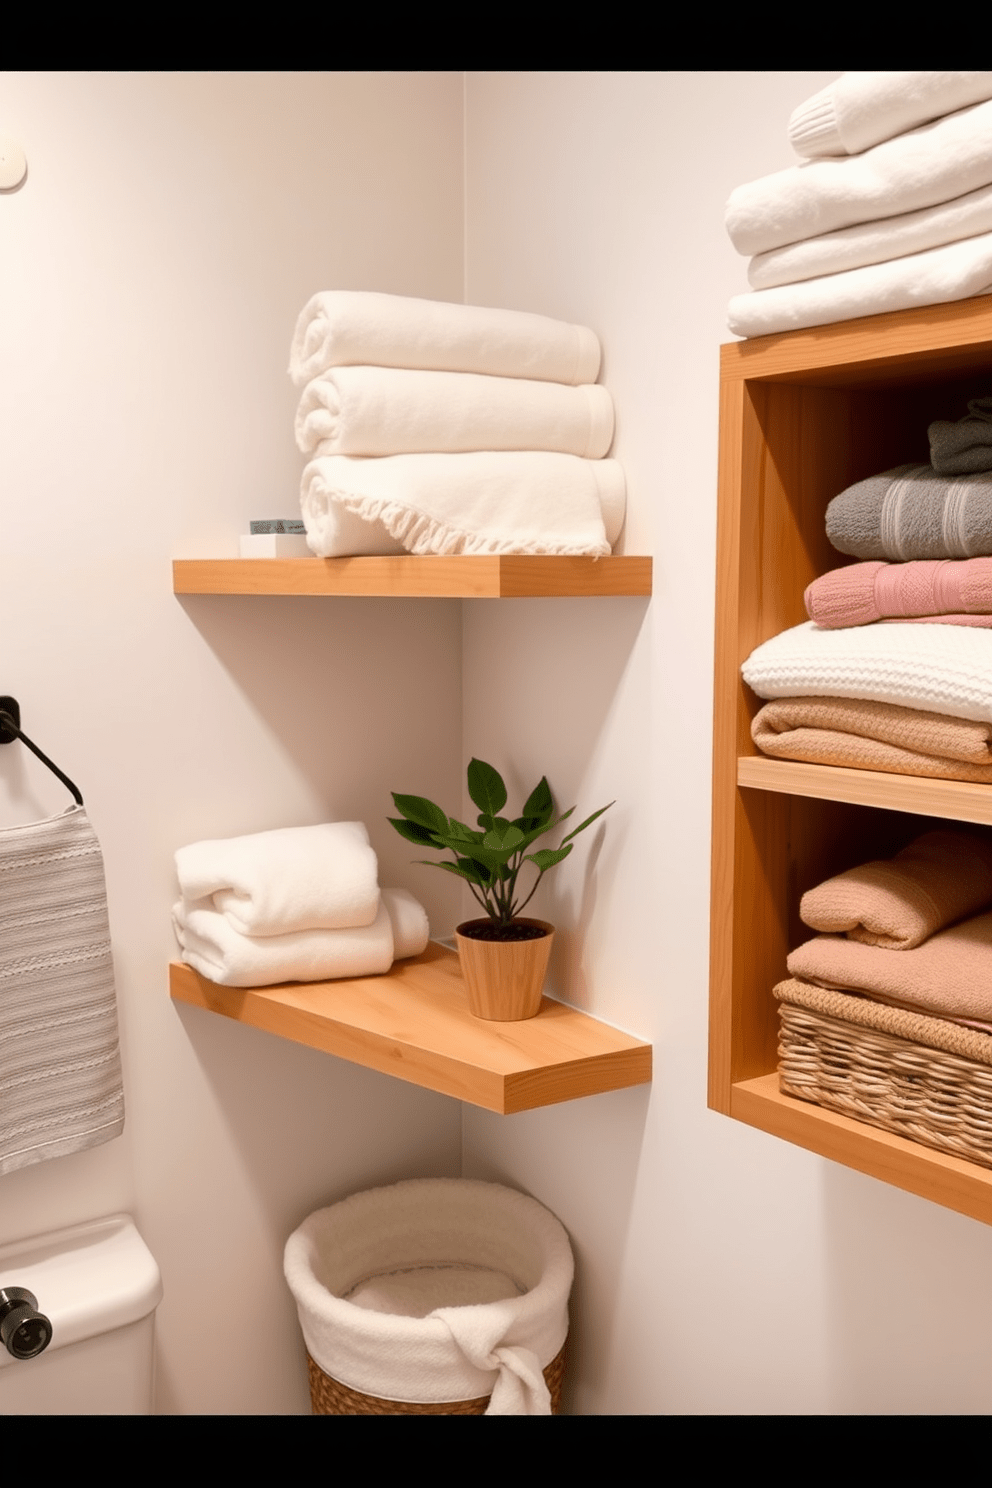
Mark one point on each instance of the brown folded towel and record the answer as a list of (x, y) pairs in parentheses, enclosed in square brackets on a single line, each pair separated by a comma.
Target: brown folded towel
[(900, 902), (949, 976), (864, 735)]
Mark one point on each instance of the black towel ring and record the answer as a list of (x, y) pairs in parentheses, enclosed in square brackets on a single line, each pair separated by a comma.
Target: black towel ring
[(10, 729)]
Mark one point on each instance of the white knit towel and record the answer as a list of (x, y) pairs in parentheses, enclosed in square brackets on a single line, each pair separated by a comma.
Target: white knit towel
[(60, 1071), (395, 411), (295, 878), (955, 272), (874, 242), (454, 1352), (493, 502), (217, 951), (935, 163), (341, 328), (861, 109), (937, 668)]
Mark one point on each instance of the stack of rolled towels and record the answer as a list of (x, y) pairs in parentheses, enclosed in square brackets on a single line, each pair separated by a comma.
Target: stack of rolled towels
[(299, 904), (890, 208), (443, 428), (913, 931), (893, 671)]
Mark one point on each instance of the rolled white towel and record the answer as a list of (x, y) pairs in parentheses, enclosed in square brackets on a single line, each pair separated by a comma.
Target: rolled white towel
[(861, 109), (395, 411), (509, 501), (293, 879), (217, 951), (936, 163), (340, 328)]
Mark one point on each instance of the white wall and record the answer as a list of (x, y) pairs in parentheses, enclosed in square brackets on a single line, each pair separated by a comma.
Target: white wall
[(719, 1269), (153, 264)]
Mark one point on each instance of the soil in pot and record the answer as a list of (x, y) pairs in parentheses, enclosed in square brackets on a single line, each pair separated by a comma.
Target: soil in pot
[(504, 966)]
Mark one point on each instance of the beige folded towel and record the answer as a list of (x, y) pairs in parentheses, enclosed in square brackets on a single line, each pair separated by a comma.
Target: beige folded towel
[(863, 735), (900, 902), (949, 975)]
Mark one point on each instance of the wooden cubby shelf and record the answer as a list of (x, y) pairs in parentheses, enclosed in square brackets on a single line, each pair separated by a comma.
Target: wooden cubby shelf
[(415, 577), (414, 1023), (802, 416)]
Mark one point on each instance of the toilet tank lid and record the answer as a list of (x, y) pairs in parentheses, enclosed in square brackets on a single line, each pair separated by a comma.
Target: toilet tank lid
[(88, 1279)]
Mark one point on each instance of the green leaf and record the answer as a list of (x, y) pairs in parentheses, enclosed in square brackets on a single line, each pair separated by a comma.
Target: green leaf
[(464, 868), (418, 809), (506, 839), (539, 806), (422, 836), (547, 857), (461, 832), (587, 823), (486, 788)]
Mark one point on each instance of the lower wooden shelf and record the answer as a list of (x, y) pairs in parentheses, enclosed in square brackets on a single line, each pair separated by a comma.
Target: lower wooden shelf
[(414, 1023), (957, 800), (496, 576), (951, 1181)]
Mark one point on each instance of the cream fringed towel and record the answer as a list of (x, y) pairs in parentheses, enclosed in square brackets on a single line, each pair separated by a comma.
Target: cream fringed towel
[(60, 1072), (863, 735), (900, 902)]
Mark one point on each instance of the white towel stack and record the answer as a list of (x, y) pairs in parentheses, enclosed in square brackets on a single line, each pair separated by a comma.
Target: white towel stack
[(444, 428), (891, 208), (300, 904)]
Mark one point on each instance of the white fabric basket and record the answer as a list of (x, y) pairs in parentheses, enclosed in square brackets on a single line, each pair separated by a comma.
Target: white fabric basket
[(435, 1239)]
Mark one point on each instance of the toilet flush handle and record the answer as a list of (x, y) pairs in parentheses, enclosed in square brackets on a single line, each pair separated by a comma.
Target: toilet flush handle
[(24, 1331)]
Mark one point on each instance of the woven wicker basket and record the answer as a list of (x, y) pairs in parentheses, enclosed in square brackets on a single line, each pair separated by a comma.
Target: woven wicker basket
[(328, 1397), (922, 1078)]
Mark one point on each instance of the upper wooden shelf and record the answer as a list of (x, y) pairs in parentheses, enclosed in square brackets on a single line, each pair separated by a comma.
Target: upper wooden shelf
[(957, 800), (414, 1023), (508, 576)]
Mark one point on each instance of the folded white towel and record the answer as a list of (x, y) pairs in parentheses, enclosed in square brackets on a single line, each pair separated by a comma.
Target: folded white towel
[(874, 242), (295, 878), (955, 272), (861, 109), (396, 411), (936, 668), (217, 951), (340, 328), (932, 164), (507, 501)]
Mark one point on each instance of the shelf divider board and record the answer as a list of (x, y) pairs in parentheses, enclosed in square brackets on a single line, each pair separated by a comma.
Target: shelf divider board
[(414, 1023), (496, 576), (956, 800), (947, 1180)]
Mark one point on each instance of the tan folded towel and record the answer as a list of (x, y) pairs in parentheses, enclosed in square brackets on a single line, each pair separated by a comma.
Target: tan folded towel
[(900, 902), (864, 735), (949, 976)]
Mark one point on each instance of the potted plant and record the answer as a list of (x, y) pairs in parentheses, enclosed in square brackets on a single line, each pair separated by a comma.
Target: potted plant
[(503, 956)]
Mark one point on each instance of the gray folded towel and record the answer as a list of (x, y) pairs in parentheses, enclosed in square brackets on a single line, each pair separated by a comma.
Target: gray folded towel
[(964, 447), (911, 512)]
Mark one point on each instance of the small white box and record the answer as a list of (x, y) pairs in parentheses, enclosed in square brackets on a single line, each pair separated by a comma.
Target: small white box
[(274, 545)]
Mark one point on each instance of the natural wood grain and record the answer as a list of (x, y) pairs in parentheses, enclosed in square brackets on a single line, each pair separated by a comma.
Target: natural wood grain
[(950, 1181), (488, 577), (956, 800), (415, 1024)]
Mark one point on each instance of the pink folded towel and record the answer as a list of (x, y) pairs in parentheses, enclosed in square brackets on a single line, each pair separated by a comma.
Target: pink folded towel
[(900, 902), (945, 590)]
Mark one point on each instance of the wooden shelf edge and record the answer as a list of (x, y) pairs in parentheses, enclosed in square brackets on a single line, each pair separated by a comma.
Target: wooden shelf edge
[(414, 1023), (949, 1181), (958, 800), (511, 576)]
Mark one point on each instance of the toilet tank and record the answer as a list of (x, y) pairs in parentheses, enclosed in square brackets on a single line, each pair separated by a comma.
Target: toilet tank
[(99, 1285)]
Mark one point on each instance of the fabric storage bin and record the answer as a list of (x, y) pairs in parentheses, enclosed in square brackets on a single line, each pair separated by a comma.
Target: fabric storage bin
[(919, 1077), (435, 1296)]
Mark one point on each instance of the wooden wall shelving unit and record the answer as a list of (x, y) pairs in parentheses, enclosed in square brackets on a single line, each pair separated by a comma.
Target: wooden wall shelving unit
[(489, 577), (414, 1023), (802, 416)]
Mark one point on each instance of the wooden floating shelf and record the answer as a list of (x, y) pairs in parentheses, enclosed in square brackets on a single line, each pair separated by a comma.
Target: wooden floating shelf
[(414, 1023), (510, 576), (956, 800)]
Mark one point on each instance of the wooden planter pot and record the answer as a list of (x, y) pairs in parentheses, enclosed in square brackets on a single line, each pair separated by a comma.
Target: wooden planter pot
[(505, 978)]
